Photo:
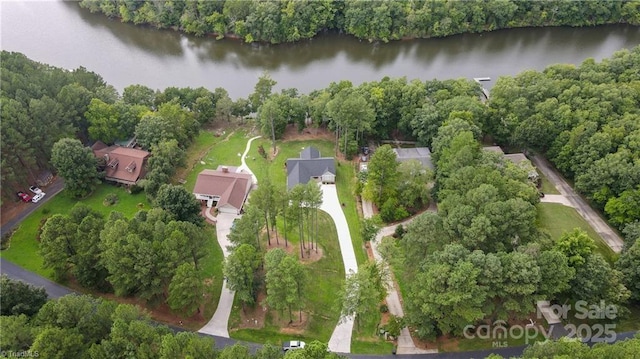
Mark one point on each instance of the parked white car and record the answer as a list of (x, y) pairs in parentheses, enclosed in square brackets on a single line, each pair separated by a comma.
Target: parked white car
[(35, 190), (37, 197), (293, 344)]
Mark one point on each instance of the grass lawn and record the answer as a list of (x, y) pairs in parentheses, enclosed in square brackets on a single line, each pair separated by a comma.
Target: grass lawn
[(225, 150), (196, 152), (545, 186), (345, 178), (378, 346), (556, 219), (211, 266), (24, 249)]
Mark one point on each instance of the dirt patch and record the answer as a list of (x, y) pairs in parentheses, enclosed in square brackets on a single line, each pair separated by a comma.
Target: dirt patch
[(298, 325), (310, 255), (161, 312), (11, 209), (253, 317), (291, 133)]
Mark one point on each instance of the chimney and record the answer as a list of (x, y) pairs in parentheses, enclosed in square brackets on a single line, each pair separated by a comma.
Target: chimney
[(225, 169)]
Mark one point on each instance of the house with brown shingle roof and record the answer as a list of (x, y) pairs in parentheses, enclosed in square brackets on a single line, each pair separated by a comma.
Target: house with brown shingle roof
[(122, 164), (225, 188)]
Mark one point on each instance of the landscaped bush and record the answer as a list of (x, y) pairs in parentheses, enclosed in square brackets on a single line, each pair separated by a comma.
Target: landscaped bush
[(399, 232), (5, 240), (110, 199), (392, 211), (135, 189)]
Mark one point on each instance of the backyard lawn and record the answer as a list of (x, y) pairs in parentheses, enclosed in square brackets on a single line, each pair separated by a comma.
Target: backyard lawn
[(556, 219), (224, 150)]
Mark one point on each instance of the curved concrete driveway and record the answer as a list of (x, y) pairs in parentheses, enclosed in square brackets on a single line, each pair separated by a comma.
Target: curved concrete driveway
[(219, 323), (340, 341)]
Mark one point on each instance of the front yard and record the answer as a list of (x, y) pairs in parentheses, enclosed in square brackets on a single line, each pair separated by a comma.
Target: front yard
[(24, 247), (556, 219)]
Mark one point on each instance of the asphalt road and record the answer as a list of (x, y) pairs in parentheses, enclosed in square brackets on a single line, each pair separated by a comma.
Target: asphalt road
[(51, 190)]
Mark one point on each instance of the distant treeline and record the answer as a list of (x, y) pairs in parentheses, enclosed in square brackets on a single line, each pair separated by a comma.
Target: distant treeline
[(293, 20)]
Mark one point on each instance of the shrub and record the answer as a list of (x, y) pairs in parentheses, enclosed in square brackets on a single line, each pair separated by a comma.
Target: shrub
[(395, 325), (110, 199), (399, 232), (392, 211), (384, 308), (262, 152), (135, 189), (5, 240)]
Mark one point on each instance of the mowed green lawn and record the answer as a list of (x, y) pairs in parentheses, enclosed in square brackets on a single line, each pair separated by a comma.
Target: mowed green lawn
[(226, 150), (545, 185), (345, 178), (365, 340), (24, 249), (557, 219)]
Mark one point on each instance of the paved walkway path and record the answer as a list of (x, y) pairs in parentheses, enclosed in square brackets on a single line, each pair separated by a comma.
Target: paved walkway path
[(340, 341), (219, 323), (394, 303), (556, 198), (243, 167), (610, 236)]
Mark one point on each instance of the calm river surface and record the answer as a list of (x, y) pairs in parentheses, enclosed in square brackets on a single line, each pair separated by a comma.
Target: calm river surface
[(63, 35)]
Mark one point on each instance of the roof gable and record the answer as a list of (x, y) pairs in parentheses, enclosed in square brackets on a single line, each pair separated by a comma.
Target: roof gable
[(421, 154), (309, 153), (231, 187), (302, 170), (123, 164)]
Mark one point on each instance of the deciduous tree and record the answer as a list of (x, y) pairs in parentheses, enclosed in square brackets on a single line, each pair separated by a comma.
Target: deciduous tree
[(18, 297), (179, 203), (77, 165), (382, 177), (240, 269)]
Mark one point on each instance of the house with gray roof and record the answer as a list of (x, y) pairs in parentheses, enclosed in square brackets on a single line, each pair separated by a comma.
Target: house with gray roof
[(310, 166), (420, 154)]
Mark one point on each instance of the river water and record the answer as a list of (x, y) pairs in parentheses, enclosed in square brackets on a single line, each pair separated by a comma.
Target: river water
[(64, 35)]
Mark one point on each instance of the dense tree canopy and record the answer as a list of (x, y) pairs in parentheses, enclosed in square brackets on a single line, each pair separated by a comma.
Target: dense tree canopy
[(77, 165), (585, 119), (287, 21), (18, 297)]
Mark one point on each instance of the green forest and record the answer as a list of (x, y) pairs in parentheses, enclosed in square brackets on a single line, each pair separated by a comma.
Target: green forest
[(481, 257), (292, 20), (81, 326)]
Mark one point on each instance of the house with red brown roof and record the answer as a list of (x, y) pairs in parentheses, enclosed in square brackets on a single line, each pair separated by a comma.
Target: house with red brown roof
[(225, 188), (122, 164)]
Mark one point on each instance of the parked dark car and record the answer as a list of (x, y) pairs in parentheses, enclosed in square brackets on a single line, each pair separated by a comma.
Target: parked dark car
[(23, 196)]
